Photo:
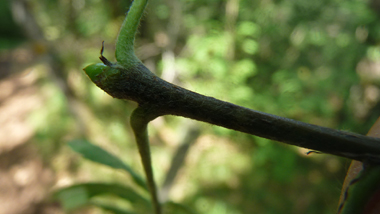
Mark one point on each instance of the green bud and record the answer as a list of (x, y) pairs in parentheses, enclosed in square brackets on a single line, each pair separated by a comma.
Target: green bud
[(94, 70)]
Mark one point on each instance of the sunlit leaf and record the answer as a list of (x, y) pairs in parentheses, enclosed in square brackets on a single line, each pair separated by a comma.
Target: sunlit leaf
[(248, 28)]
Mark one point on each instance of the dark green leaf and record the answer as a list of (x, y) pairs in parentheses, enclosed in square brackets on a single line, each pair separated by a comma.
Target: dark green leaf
[(112, 209), (99, 155), (80, 194), (361, 191), (172, 207)]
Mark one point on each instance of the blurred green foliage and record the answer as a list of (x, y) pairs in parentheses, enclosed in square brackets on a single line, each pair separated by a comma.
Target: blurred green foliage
[(10, 34), (314, 61)]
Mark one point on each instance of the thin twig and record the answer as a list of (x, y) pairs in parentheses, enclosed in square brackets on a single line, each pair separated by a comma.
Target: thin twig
[(139, 122)]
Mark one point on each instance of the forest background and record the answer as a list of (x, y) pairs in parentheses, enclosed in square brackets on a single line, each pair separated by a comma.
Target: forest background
[(313, 61)]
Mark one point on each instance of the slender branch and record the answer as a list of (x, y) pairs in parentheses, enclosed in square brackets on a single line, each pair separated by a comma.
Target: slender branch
[(140, 85), (139, 121)]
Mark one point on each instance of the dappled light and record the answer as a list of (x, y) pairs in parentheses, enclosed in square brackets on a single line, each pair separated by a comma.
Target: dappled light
[(312, 61)]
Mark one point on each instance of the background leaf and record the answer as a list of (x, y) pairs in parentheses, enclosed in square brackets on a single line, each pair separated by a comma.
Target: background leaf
[(78, 195), (176, 208), (99, 155), (112, 209)]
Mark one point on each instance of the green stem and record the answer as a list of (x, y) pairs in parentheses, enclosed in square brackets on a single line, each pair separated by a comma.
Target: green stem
[(127, 59), (125, 54), (139, 120)]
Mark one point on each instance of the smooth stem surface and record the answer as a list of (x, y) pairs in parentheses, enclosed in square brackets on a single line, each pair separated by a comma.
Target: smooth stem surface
[(139, 123)]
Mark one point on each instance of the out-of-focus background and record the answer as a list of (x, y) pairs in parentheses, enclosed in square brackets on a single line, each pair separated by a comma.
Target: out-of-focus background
[(313, 61)]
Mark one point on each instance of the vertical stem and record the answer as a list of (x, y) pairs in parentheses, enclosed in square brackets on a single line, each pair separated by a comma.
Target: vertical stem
[(139, 122), (232, 12), (125, 54)]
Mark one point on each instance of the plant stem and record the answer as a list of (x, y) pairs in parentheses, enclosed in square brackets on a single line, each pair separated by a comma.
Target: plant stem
[(139, 122), (159, 97), (125, 54), (129, 79)]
